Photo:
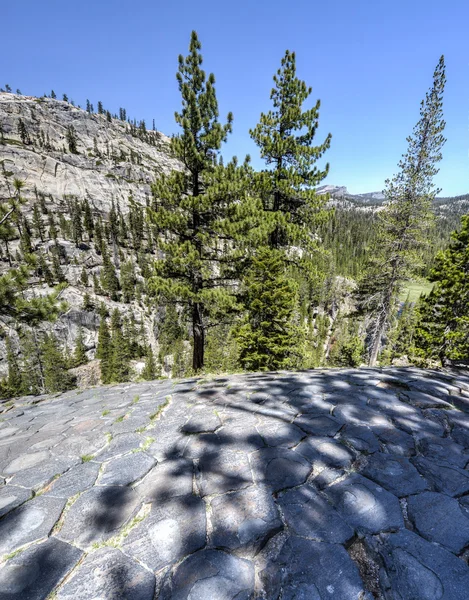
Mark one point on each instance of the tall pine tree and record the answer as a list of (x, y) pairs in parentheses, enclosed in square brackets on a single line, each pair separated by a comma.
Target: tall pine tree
[(406, 219)]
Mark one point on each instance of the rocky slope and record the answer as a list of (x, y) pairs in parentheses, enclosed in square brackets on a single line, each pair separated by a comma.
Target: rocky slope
[(114, 162)]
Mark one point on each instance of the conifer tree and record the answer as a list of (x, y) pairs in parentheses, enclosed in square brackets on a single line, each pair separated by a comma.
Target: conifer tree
[(128, 281), (37, 222), (84, 279), (109, 279), (23, 132), (14, 380), (79, 354), (149, 371), (184, 210), (56, 378), (104, 351), (285, 136), (120, 360), (72, 139), (268, 336), (45, 271), (52, 227), (77, 226), (407, 216), (442, 330), (56, 268), (32, 369), (53, 95), (88, 221), (88, 304)]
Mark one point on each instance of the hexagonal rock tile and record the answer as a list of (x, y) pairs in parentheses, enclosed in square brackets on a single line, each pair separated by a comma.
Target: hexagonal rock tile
[(121, 444), (107, 574), (244, 519), (311, 570), (395, 473), (318, 424), (439, 519), (396, 441), (34, 573), (222, 472), (11, 497), (202, 421), (278, 433), (126, 469), (449, 480), (422, 400), (364, 505), (279, 468), (25, 461), (325, 453), (167, 480), (443, 450), (78, 479), (39, 476), (210, 574), (98, 514), (28, 523), (173, 530), (360, 438), (415, 568), (308, 515)]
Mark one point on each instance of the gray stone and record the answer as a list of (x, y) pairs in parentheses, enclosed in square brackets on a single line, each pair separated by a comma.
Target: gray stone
[(173, 530), (309, 515), (167, 480), (41, 475), (25, 461), (223, 472), (396, 441), (11, 497), (244, 520), (443, 450), (279, 468), (202, 421), (77, 480), (449, 480), (210, 574), (98, 514), (107, 575), (28, 523), (364, 505), (127, 469), (325, 453), (309, 570), (415, 568), (34, 573), (360, 438), (119, 445), (439, 518), (395, 473), (423, 400), (318, 424), (278, 433)]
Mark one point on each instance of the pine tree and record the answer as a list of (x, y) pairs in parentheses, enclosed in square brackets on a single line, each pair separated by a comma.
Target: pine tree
[(53, 95), (407, 216), (37, 222), (84, 279), (79, 354), (45, 271), (120, 360), (88, 304), (14, 380), (72, 139), (268, 336), (23, 132), (100, 108), (52, 227), (77, 226), (32, 369), (56, 378), (285, 137), (56, 268), (109, 279), (149, 371), (88, 221), (185, 209), (128, 281), (104, 351), (442, 330)]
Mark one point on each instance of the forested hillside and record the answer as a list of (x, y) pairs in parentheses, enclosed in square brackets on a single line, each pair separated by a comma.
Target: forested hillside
[(125, 254)]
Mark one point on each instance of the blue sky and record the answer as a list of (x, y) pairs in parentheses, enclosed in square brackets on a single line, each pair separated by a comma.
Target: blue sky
[(369, 61)]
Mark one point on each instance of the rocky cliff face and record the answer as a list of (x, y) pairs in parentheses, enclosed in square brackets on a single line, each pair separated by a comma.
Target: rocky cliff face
[(113, 162)]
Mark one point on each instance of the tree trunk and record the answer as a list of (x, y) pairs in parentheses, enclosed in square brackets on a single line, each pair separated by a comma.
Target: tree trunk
[(198, 335), (377, 343)]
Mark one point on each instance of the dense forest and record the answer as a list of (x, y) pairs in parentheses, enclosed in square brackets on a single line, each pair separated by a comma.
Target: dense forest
[(244, 269)]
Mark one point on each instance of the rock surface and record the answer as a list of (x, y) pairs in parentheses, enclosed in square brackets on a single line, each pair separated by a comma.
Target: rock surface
[(264, 489)]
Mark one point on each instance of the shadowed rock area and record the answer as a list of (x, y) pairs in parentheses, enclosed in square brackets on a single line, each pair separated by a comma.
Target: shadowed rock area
[(320, 485)]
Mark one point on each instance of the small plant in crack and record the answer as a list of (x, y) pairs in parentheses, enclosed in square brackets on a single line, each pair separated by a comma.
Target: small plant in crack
[(105, 412), (87, 457)]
